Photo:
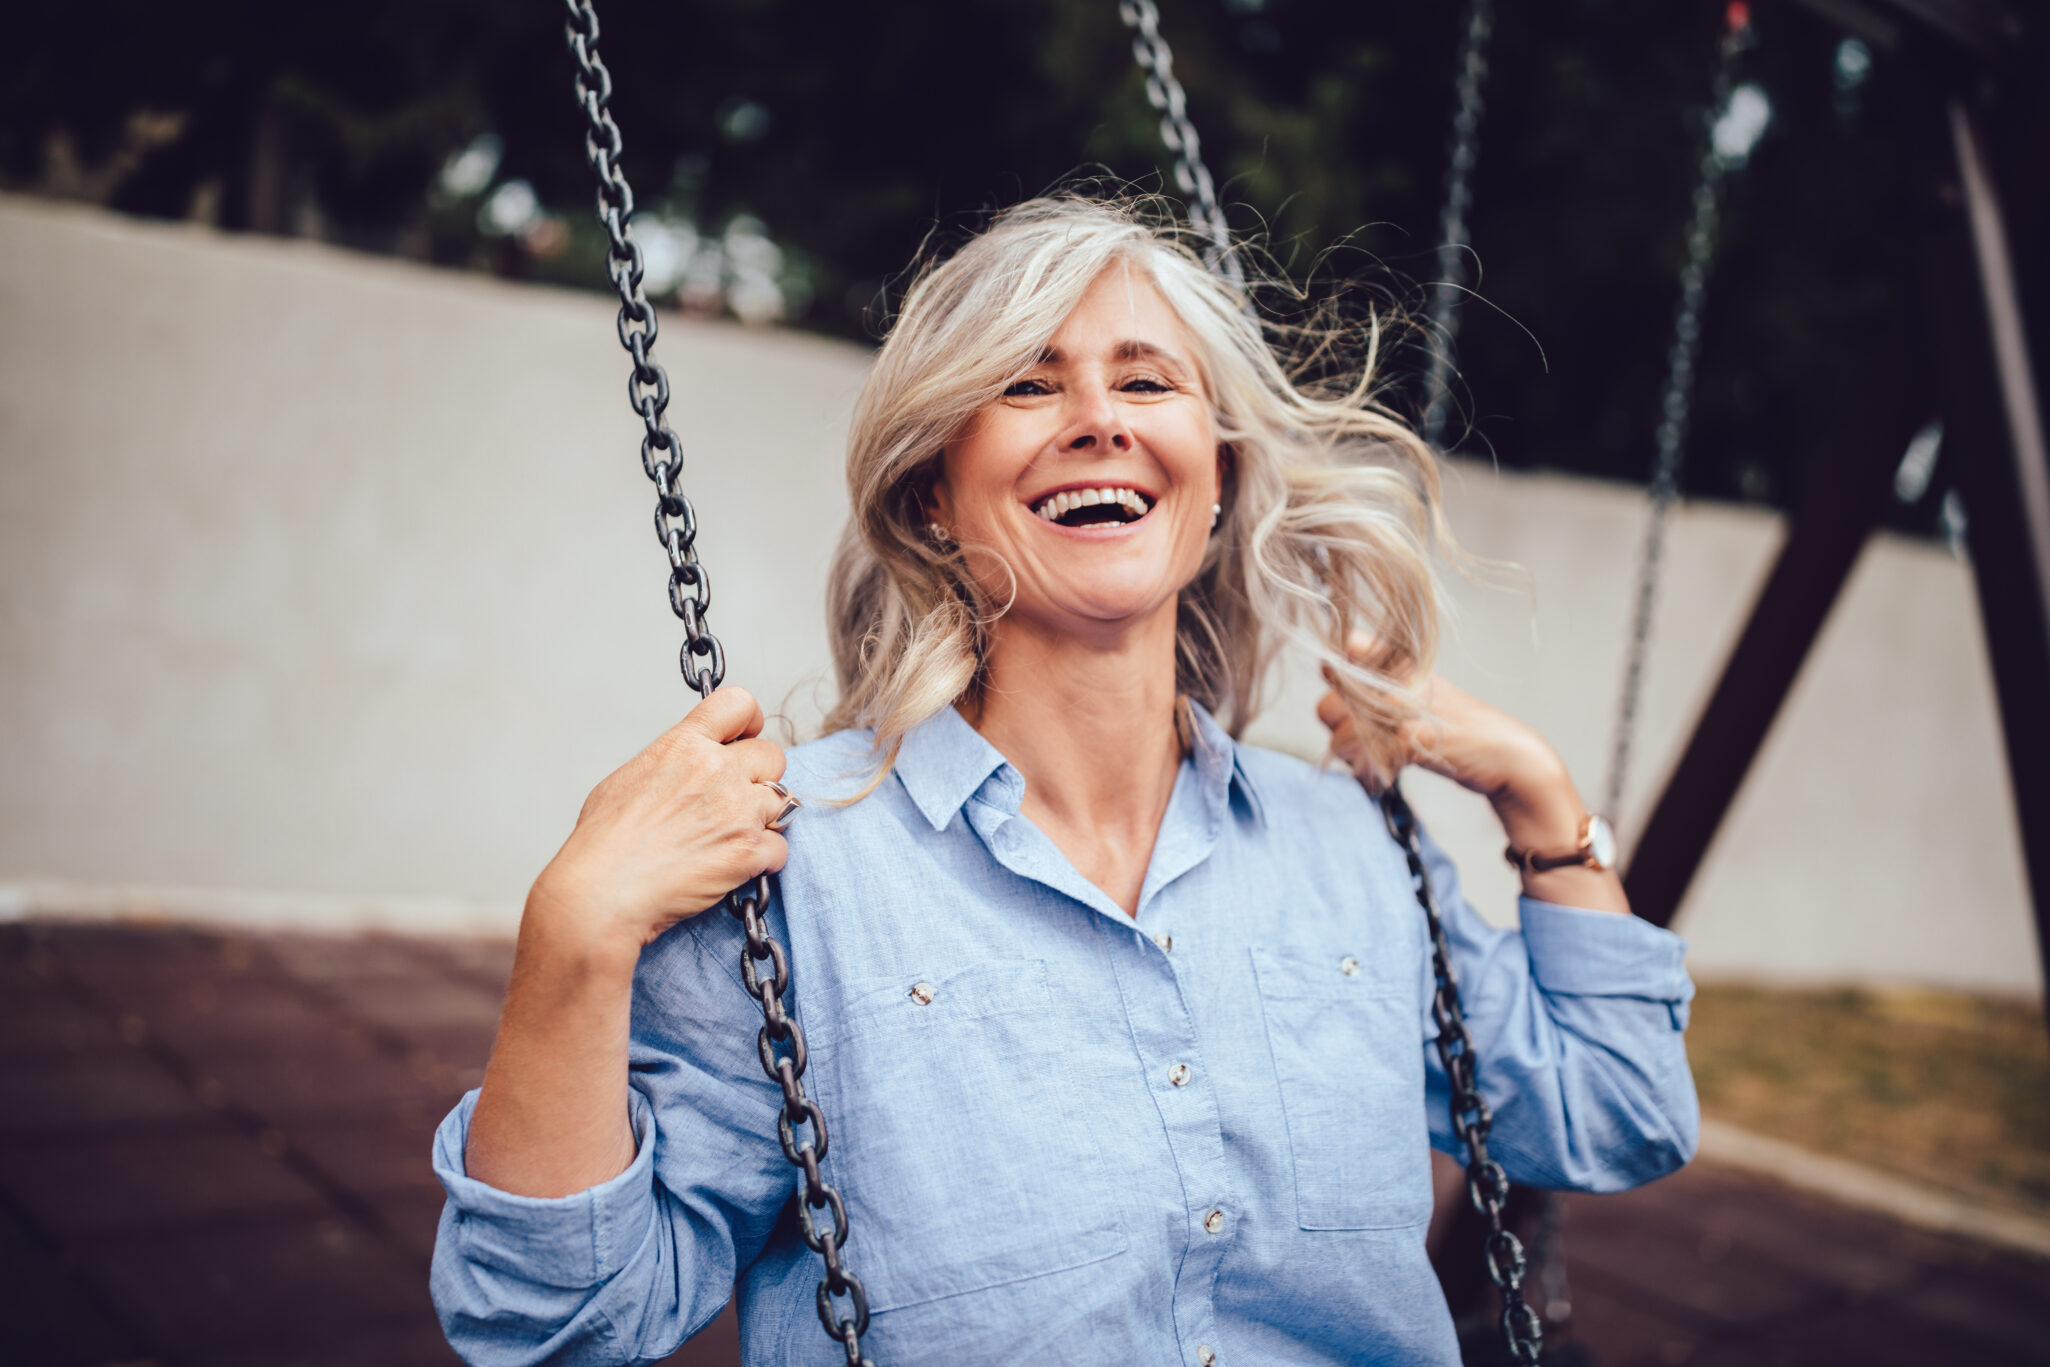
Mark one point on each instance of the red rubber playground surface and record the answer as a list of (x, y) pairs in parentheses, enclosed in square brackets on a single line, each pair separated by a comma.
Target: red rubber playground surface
[(213, 1150)]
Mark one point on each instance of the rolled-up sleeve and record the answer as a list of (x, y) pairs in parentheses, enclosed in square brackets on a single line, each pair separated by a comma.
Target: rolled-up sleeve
[(517, 1278), (625, 1271), (1577, 953), (1577, 1021)]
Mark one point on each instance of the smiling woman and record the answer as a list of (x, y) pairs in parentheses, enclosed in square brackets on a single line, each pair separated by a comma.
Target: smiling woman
[(1076, 349), (1121, 1023)]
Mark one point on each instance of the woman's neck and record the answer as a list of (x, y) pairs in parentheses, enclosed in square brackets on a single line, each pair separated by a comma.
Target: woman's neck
[(1091, 727)]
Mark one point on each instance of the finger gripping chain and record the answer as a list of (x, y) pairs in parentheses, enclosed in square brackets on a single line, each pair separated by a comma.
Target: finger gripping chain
[(702, 661)]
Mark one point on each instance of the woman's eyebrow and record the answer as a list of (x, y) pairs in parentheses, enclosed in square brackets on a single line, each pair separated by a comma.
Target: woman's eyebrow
[(1132, 349)]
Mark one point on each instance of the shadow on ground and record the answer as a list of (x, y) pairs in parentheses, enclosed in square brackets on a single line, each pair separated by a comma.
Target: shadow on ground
[(213, 1150)]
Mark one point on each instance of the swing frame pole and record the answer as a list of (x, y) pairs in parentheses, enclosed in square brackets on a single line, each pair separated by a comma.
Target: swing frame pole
[(1844, 498), (1993, 421), (1993, 442)]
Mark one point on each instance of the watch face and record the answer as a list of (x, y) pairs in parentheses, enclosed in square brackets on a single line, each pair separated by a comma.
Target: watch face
[(1601, 843)]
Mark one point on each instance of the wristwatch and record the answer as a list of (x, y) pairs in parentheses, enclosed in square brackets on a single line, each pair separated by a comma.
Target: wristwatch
[(1596, 850)]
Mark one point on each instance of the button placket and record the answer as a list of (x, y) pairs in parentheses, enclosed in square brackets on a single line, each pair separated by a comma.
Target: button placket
[(1163, 1028)]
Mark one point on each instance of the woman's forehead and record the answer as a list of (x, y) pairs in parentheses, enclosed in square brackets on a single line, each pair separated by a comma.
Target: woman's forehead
[(1124, 291), (1124, 313)]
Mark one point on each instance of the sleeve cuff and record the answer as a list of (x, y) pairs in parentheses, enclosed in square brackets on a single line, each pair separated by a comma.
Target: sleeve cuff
[(1603, 954), (578, 1240)]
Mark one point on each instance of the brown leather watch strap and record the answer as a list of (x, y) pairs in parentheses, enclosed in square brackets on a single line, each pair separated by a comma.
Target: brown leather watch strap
[(1581, 855)]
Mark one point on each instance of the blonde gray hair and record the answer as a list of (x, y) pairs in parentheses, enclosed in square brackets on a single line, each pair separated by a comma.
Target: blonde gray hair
[(1331, 506)]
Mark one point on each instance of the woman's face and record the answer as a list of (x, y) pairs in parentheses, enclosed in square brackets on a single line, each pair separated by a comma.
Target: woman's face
[(1094, 475)]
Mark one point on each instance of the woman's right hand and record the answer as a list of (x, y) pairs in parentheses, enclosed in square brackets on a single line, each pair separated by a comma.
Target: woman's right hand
[(670, 832), (677, 827)]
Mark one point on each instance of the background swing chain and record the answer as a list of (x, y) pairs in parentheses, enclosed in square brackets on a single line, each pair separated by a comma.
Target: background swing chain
[(1165, 94), (1452, 229), (703, 663), (1486, 1183), (1674, 399)]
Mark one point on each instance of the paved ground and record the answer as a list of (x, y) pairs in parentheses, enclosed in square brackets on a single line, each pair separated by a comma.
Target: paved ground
[(213, 1151)]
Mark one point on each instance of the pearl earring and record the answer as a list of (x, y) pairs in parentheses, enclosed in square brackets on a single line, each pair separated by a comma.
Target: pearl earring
[(937, 533), (1216, 511)]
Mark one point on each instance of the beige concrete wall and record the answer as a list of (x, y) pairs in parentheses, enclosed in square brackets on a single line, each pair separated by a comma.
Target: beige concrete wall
[(328, 590), (331, 574), (1875, 838)]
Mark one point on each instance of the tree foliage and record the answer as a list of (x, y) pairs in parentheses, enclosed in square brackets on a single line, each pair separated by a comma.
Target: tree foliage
[(854, 131)]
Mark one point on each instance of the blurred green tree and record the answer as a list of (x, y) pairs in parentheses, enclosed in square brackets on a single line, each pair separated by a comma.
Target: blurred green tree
[(853, 132)]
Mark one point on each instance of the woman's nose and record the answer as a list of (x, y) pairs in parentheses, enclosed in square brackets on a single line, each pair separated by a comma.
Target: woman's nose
[(1095, 425)]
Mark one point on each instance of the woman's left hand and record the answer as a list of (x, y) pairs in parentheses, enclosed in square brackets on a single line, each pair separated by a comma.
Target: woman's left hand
[(1482, 748), (1476, 745)]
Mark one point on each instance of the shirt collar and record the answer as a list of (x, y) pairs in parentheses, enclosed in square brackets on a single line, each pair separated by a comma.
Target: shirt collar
[(944, 761), (1221, 761)]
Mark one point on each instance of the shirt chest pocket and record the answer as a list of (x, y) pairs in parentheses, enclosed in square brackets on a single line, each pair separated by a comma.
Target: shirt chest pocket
[(1344, 1035), (955, 1136)]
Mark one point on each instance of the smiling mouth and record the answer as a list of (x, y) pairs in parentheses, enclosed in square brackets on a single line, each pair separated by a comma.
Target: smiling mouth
[(1093, 507)]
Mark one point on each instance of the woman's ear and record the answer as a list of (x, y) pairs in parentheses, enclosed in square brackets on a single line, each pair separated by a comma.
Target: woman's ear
[(1227, 464), (936, 499)]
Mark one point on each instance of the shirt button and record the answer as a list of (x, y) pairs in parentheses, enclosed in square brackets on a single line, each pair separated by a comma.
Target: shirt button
[(1165, 941), (1214, 1222), (1348, 966), (1205, 1354), (1179, 1075), (922, 993)]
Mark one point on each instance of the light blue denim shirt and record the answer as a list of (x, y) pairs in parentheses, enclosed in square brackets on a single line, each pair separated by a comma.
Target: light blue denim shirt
[(1085, 1140)]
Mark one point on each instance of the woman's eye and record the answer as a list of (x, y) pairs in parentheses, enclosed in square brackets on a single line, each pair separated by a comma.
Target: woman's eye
[(1026, 388), (1146, 385)]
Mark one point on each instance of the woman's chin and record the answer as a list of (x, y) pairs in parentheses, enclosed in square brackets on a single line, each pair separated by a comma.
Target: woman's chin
[(1099, 607)]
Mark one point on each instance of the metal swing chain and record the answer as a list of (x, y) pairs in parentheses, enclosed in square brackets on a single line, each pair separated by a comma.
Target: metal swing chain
[(1674, 398), (703, 662), (1452, 228), (1486, 1184), (1462, 152), (1165, 94)]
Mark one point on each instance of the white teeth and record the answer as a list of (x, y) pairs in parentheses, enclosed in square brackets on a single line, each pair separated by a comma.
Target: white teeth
[(1056, 505)]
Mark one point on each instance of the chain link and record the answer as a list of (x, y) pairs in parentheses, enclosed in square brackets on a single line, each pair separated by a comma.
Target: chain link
[(702, 661), (1674, 399), (1191, 176), (1453, 236), (1486, 1184), (842, 1301)]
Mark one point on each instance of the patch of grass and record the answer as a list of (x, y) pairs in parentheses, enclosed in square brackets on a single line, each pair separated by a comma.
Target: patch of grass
[(1946, 1088)]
